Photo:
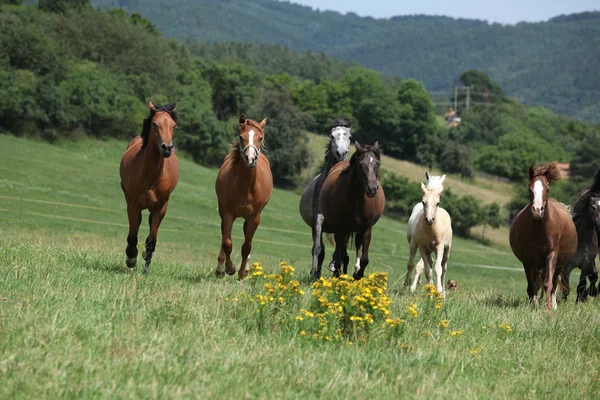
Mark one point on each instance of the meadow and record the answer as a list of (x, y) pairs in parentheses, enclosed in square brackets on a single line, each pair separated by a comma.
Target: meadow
[(75, 323)]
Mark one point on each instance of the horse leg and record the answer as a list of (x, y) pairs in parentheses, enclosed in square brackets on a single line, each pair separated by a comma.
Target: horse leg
[(593, 277), (321, 255), (421, 265), (549, 279), (135, 219), (532, 275), (345, 257), (224, 259), (338, 255), (358, 244), (155, 219), (439, 270), (410, 265), (250, 227), (428, 266), (364, 259), (317, 249), (445, 264), (565, 277)]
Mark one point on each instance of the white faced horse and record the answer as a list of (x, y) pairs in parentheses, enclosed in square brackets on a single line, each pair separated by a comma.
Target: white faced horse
[(336, 150), (429, 230)]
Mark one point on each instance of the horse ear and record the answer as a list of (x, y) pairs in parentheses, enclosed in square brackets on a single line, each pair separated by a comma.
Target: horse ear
[(151, 106), (427, 176), (357, 146), (263, 123), (175, 108), (531, 172), (443, 178), (423, 188), (242, 119), (377, 144)]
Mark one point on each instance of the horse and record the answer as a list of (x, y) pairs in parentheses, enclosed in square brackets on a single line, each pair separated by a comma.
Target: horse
[(336, 150), (244, 186), (149, 174), (429, 230), (587, 223), (543, 236), (352, 201)]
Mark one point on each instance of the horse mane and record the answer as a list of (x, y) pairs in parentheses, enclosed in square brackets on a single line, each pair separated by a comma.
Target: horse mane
[(365, 148), (341, 121), (168, 108), (583, 202), (550, 171)]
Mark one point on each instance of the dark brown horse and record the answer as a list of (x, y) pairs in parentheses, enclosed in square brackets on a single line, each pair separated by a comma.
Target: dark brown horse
[(244, 186), (149, 174), (587, 222), (352, 201), (543, 236)]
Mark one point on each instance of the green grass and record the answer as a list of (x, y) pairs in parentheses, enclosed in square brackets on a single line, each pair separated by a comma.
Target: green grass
[(74, 323)]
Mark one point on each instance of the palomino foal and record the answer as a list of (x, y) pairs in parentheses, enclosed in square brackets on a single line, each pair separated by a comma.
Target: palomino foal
[(149, 173), (429, 230), (244, 186), (543, 236)]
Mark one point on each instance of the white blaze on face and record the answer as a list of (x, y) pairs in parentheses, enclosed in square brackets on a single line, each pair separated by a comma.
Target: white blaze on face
[(538, 190), (341, 139), (251, 151), (371, 160)]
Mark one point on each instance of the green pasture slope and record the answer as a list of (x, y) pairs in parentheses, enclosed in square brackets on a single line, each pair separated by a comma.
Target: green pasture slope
[(73, 323)]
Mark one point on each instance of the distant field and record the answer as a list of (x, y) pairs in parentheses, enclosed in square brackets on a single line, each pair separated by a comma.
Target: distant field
[(74, 323)]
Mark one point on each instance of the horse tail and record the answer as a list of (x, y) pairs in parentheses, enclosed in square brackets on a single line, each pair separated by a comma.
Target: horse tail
[(595, 188), (562, 279), (331, 238)]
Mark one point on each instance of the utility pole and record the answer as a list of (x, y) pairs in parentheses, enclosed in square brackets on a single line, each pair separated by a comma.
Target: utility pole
[(468, 96), (455, 97)]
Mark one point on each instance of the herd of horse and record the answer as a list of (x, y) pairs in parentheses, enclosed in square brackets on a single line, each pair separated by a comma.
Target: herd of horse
[(345, 200)]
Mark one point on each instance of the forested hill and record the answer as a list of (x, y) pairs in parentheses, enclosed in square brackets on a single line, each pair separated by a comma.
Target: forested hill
[(552, 63)]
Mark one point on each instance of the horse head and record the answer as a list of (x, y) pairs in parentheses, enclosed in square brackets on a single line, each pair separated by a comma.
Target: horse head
[(339, 141), (367, 159), (159, 127), (541, 177), (431, 196), (251, 139)]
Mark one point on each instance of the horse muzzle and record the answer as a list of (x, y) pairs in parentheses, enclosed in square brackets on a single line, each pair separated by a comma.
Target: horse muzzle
[(372, 190), (166, 150), (537, 212)]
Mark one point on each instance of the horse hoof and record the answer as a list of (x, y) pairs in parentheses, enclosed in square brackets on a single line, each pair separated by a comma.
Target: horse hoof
[(219, 274), (130, 262), (331, 267)]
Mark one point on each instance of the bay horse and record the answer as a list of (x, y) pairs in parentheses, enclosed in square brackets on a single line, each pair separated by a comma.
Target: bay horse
[(336, 150), (149, 173), (352, 201), (430, 231), (244, 186), (543, 236), (587, 223)]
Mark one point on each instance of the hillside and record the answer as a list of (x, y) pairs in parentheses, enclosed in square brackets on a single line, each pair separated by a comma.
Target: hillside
[(550, 63)]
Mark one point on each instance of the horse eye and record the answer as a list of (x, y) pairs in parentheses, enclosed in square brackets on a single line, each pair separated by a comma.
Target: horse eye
[(438, 203), (155, 124)]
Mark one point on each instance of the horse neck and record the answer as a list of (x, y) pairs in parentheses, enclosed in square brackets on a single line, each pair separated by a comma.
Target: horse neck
[(585, 228), (356, 191), (153, 162)]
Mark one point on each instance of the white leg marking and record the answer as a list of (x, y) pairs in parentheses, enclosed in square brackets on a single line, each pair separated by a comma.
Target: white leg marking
[(357, 265), (418, 271)]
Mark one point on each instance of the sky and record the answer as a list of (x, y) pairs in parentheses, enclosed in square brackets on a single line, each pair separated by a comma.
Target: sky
[(502, 11)]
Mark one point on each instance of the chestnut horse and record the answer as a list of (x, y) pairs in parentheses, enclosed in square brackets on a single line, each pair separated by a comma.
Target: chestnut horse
[(244, 186), (149, 174), (352, 201), (543, 236)]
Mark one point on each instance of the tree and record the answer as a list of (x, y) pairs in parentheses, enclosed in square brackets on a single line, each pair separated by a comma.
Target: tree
[(490, 216), (285, 139), (465, 212), (63, 6), (456, 158)]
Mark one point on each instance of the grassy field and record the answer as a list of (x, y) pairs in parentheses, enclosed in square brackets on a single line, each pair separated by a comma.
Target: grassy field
[(74, 323)]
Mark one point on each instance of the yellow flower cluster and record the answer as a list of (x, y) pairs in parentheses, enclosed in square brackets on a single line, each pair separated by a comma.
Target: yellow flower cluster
[(277, 287), (505, 327), (457, 333), (343, 308), (443, 323), (412, 310), (432, 294)]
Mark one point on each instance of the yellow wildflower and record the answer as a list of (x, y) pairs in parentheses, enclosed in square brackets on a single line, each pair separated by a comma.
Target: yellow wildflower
[(443, 323), (457, 333)]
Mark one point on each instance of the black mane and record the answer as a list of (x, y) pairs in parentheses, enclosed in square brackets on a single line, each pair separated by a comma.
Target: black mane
[(169, 108)]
